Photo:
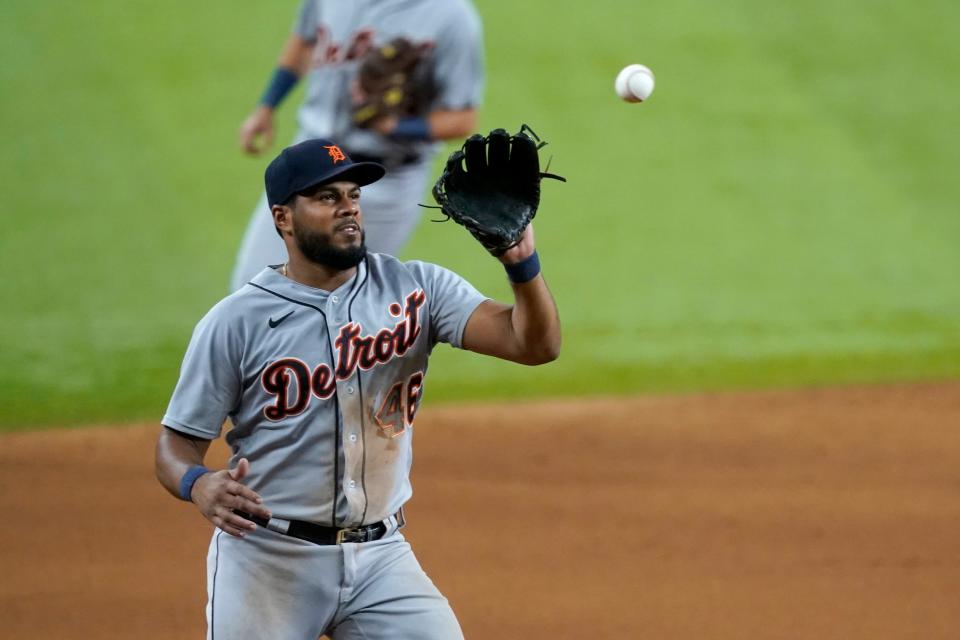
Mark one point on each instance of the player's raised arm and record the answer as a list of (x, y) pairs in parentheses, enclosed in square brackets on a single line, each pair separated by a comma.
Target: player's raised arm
[(491, 186), (528, 332)]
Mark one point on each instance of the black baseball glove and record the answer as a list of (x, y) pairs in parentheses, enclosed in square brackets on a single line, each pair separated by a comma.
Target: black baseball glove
[(491, 186), (393, 80)]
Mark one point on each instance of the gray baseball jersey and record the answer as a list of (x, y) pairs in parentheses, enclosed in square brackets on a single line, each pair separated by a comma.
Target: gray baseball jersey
[(322, 387), (343, 31)]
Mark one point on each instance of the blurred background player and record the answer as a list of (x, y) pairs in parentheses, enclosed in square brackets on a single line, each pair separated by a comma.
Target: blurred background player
[(326, 45)]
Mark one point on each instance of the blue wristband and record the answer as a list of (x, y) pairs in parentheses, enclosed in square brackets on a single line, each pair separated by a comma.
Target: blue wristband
[(189, 479), (525, 270), (282, 83), (415, 128)]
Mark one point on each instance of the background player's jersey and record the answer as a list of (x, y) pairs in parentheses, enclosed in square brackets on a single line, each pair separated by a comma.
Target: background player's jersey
[(322, 387), (343, 30)]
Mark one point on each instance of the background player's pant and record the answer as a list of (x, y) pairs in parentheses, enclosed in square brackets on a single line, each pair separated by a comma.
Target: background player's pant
[(268, 585), (390, 214)]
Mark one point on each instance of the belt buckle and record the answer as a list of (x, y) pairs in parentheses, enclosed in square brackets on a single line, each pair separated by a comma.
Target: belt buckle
[(350, 535)]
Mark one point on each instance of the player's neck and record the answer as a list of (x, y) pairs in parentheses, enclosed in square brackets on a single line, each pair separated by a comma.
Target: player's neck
[(318, 276)]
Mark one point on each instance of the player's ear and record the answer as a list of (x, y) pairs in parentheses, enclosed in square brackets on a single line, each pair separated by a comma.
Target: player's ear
[(282, 218)]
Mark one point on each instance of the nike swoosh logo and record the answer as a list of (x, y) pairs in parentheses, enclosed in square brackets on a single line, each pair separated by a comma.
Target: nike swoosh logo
[(276, 323)]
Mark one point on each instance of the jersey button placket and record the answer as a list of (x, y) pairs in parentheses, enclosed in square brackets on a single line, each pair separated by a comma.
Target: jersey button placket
[(333, 307), (351, 410)]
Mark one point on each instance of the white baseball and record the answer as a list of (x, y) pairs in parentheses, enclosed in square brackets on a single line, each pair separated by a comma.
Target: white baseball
[(634, 83)]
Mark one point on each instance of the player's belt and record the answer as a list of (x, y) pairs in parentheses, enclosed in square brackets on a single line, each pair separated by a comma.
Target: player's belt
[(319, 534), (387, 161)]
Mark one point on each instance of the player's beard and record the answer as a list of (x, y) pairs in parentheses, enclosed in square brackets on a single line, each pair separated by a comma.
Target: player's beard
[(317, 247)]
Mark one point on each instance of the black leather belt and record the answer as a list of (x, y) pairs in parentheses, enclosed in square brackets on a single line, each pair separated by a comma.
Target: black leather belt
[(387, 161), (319, 534)]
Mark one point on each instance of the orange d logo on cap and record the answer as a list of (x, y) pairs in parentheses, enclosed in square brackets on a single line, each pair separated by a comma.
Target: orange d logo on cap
[(335, 153)]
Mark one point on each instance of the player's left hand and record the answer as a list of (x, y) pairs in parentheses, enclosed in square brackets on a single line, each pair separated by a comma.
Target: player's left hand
[(491, 186), (522, 250)]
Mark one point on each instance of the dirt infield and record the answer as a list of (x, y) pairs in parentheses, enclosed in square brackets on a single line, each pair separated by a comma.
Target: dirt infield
[(815, 514)]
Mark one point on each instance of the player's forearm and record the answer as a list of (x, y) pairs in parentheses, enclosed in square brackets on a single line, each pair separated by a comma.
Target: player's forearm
[(449, 125), (293, 63), (535, 323), (296, 55), (175, 454)]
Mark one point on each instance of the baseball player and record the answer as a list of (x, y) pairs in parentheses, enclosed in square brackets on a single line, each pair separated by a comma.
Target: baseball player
[(320, 364), (327, 43)]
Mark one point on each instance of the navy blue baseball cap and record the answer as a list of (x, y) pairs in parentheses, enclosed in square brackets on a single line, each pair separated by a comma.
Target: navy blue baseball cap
[(311, 163)]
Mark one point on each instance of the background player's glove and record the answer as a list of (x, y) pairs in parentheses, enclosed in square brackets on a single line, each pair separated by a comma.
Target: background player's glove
[(491, 186), (393, 80)]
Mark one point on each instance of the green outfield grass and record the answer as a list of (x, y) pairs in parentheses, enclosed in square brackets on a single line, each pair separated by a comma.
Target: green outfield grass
[(782, 212)]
